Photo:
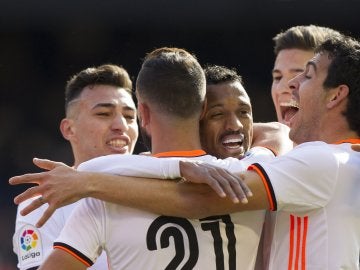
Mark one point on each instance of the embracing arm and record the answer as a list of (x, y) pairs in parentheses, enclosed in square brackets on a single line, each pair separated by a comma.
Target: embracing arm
[(200, 201), (62, 185), (183, 199), (159, 196)]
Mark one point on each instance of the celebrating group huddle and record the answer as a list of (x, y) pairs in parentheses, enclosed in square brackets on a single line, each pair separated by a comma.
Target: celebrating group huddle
[(215, 184)]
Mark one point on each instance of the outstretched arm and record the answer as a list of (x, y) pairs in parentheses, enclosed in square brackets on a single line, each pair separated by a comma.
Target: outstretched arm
[(62, 185)]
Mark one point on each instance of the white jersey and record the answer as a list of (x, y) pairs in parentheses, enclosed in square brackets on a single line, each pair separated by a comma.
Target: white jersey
[(32, 245), (135, 239), (315, 190)]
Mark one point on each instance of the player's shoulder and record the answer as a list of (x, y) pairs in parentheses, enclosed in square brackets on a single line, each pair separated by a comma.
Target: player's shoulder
[(317, 153), (317, 148), (99, 163), (312, 144)]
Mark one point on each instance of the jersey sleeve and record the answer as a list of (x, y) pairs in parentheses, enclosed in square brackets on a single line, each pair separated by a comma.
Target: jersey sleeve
[(31, 244), (134, 165), (302, 180), (83, 234)]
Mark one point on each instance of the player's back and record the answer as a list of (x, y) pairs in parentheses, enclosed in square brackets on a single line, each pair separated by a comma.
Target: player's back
[(135, 239)]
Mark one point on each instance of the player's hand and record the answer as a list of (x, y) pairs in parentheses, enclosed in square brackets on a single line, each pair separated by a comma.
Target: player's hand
[(58, 186), (220, 180), (355, 147)]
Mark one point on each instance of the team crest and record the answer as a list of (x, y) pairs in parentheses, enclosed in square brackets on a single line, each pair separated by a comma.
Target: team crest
[(30, 246)]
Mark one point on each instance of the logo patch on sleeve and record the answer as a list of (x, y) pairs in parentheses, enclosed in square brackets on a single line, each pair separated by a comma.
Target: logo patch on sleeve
[(30, 246)]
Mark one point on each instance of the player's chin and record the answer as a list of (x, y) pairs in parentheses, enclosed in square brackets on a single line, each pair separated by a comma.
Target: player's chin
[(120, 151), (235, 152)]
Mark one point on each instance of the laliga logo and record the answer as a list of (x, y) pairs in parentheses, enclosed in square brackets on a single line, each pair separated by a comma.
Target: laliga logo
[(28, 240)]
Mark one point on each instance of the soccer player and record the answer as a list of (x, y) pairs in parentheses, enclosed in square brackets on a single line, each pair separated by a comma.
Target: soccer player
[(313, 187), (228, 113), (171, 92), (100, 120), (293, 49), (226, 129), (227, 123)]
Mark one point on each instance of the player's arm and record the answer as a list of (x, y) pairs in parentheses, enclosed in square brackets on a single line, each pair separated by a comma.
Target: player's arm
[(200, 201), (272, 135), (183, 199), (159, 196), (63, 185), (59, 259)]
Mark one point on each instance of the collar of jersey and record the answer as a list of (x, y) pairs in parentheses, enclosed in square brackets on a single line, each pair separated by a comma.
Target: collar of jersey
[(352, 141), (192, 153)]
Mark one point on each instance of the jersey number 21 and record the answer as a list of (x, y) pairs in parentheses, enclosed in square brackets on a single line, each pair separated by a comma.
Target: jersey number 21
[(211, 224)]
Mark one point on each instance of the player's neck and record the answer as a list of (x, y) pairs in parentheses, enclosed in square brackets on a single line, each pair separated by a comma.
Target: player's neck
[(334, 131), (336, 136), (175, 139)]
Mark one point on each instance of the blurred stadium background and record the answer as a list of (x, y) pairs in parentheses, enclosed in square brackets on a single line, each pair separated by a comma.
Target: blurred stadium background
[(42, 43)]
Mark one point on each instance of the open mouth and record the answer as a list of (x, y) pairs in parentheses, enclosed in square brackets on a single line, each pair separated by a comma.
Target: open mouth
[(118, 144), (288, 110), (232, 141)]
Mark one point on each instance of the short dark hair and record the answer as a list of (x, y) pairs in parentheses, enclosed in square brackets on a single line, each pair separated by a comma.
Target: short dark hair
[(105, 74), (344, 68), (303, 37), (172, 80), (219, 74)]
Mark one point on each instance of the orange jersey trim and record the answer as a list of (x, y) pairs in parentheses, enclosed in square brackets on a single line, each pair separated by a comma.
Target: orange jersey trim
[(351, 140), (298, 242), (191, 153), (291, 241), (305, 230), (267, 184), (297, 249), (72, 253)]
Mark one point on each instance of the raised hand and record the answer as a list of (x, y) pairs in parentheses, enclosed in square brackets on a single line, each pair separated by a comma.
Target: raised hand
[(60, 185)]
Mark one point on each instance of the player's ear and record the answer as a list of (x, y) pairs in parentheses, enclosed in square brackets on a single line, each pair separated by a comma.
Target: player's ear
[(144, 115), (203, 111), (67, 128), (337, 96)]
